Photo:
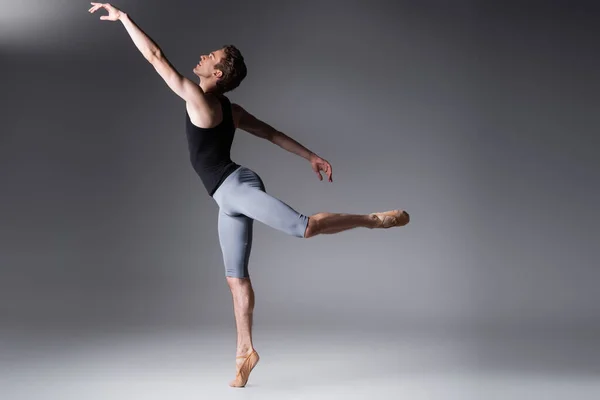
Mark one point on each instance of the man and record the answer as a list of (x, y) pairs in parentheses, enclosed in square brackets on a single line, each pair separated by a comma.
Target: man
[(211, 121)]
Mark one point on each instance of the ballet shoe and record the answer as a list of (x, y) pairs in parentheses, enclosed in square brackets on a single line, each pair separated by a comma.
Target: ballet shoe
[(389, 219), (244, 370)]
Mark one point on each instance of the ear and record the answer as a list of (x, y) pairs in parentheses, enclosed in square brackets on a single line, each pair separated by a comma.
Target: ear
[(218, 73)]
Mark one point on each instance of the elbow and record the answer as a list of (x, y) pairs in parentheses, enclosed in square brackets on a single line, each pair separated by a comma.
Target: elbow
[(271, 135), (154, 55)]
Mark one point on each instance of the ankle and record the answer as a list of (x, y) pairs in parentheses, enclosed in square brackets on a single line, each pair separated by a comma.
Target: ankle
[(374, 220), (244, 350)]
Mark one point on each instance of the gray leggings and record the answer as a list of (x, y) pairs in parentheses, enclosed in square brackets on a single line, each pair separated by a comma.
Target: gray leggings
[(242, 199)]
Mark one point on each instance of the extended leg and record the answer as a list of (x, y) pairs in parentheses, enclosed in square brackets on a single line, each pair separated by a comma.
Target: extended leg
[(329, 223), (273, 212), (261, 206), (245, 193)]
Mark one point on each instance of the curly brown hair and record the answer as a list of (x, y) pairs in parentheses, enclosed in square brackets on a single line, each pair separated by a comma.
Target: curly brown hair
[(233, 68)]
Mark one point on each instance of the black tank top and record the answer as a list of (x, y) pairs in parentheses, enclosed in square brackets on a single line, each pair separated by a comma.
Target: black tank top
[(210, 148)]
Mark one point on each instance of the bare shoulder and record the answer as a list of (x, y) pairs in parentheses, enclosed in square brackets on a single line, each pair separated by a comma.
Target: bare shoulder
[(206, 115), (245, 121)]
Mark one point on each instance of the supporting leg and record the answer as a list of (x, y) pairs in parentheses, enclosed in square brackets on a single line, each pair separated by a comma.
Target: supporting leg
[(245, 200), (235, 236), (243, 307)]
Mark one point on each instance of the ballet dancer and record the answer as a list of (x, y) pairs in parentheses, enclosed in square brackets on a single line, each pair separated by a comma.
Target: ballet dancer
[(239, 192)]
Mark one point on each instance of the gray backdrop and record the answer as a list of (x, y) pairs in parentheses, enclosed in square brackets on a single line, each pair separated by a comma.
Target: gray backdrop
[(480, 119)]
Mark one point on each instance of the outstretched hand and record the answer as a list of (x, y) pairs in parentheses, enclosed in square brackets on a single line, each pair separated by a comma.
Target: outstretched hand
[(318, 164), (113, 13)]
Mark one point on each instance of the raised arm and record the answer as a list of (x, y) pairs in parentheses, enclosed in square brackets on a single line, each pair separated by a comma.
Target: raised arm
[(249, 123), (183, 87)]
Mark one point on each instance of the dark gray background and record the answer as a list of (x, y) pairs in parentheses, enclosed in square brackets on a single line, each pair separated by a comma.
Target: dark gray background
[(480, 119)]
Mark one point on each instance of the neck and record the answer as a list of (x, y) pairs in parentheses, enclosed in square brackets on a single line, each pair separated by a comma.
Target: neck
[(208, 87)]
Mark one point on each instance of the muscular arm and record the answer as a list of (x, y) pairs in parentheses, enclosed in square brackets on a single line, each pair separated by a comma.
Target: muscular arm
[(249, 123), (183, 87)]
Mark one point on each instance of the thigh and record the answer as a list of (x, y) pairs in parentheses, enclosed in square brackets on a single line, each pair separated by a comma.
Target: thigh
[(252, 200), (235, 237)]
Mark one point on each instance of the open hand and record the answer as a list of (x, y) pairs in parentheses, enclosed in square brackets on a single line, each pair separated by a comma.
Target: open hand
[(318, 164), (113, 13)]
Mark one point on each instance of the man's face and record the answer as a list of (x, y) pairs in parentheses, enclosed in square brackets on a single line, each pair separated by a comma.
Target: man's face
[(206, 66)]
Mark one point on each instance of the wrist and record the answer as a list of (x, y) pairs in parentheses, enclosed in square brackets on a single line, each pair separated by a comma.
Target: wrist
[(122, 16)]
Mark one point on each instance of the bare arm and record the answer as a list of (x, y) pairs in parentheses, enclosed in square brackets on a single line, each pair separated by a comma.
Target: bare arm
[(249, 123), (183, 87)]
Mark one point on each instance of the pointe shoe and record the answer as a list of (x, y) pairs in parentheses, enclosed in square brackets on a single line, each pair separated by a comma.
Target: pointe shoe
[(392, 218), (246, 367)]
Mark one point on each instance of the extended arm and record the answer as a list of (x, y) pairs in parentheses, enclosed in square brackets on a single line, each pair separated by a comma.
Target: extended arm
[(183, 87), (249, 123)]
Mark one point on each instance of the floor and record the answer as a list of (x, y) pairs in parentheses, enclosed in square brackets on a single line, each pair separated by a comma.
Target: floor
[(198, 364)]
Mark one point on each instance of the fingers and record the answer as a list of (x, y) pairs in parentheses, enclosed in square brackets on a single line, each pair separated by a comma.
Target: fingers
[(325, 167), (97, 6), (328, 171), (112, 12)]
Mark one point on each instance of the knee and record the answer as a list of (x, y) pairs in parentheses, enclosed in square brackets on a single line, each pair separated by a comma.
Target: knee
[(311, 228), (236, 282)]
